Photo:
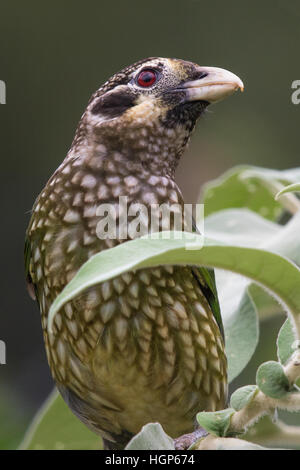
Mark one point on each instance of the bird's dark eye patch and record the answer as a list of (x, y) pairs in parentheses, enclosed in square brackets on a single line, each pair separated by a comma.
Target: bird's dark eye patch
[(146, 78), (113, 104)]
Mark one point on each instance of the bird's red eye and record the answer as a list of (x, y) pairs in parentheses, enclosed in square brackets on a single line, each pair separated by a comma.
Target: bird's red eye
[(146, 78)]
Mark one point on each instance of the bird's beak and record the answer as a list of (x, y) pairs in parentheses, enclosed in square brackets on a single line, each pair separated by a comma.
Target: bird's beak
[(214, 86)]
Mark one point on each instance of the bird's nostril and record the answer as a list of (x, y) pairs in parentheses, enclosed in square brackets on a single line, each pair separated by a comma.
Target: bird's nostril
[(202, 75)]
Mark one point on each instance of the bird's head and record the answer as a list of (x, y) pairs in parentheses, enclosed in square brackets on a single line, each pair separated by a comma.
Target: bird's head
[(150, 108)]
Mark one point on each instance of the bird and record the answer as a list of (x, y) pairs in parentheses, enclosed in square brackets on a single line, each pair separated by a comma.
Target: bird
[(147, 345)]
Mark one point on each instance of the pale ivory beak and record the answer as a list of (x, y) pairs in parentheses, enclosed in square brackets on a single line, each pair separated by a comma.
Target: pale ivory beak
[(217, 85)]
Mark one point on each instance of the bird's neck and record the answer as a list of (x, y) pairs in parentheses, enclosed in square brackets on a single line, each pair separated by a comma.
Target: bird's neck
[(122, 168), (103, 177), (153, 149)]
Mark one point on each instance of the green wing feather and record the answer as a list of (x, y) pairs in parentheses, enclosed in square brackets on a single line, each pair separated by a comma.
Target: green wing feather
[(206, 279)]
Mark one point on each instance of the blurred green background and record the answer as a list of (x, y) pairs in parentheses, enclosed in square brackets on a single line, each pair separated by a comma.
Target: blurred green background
[(53, 55)]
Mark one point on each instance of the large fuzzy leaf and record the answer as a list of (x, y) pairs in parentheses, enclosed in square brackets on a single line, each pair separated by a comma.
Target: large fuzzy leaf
[(248, 229), (248, 187), (56, 428), (151, 437)]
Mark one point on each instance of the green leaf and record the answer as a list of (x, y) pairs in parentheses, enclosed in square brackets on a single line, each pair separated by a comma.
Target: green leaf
[(246, 186), (291, 188), (248, 229), (151, 437), (238, 304), (272, 380), (55, 427), (286, 342), (241, 332), (243, 396), (230, 191), (240, 227), (265, 305), (216, 422)]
